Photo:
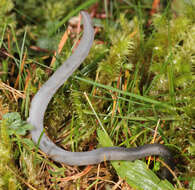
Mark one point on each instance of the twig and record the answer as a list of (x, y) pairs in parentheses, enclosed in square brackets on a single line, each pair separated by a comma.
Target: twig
[(172, 172), (79, 175)]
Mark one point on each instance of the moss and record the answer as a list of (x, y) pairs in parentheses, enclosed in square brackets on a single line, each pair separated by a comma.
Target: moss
[(153, 61), (121, 48), (6, 17), (8, 180)]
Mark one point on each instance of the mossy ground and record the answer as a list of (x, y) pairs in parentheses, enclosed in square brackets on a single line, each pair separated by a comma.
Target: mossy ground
[(137, 86)]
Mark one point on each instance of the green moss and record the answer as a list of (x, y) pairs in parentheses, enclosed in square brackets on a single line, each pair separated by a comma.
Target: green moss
[(6, 17), (8, 180), (121, 47), (142, 66)]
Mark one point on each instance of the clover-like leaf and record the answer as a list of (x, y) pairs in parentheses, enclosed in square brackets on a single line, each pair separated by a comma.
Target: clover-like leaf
[(15, 124)]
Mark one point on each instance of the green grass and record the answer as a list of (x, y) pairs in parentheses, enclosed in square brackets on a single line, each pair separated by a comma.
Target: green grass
[(138, 78)]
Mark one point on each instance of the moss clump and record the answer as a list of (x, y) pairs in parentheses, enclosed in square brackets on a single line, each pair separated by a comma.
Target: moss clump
[(8, 180), (6, 17)]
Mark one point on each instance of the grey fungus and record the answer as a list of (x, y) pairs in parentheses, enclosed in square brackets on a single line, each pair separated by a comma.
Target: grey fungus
[(41, 100)]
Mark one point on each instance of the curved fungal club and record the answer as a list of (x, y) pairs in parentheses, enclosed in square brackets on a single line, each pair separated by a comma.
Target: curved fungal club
[(41, 100)]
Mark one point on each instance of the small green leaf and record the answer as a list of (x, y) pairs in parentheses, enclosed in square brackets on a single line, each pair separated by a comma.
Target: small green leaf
[(28, 142), (15, 124), (11, 117)]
